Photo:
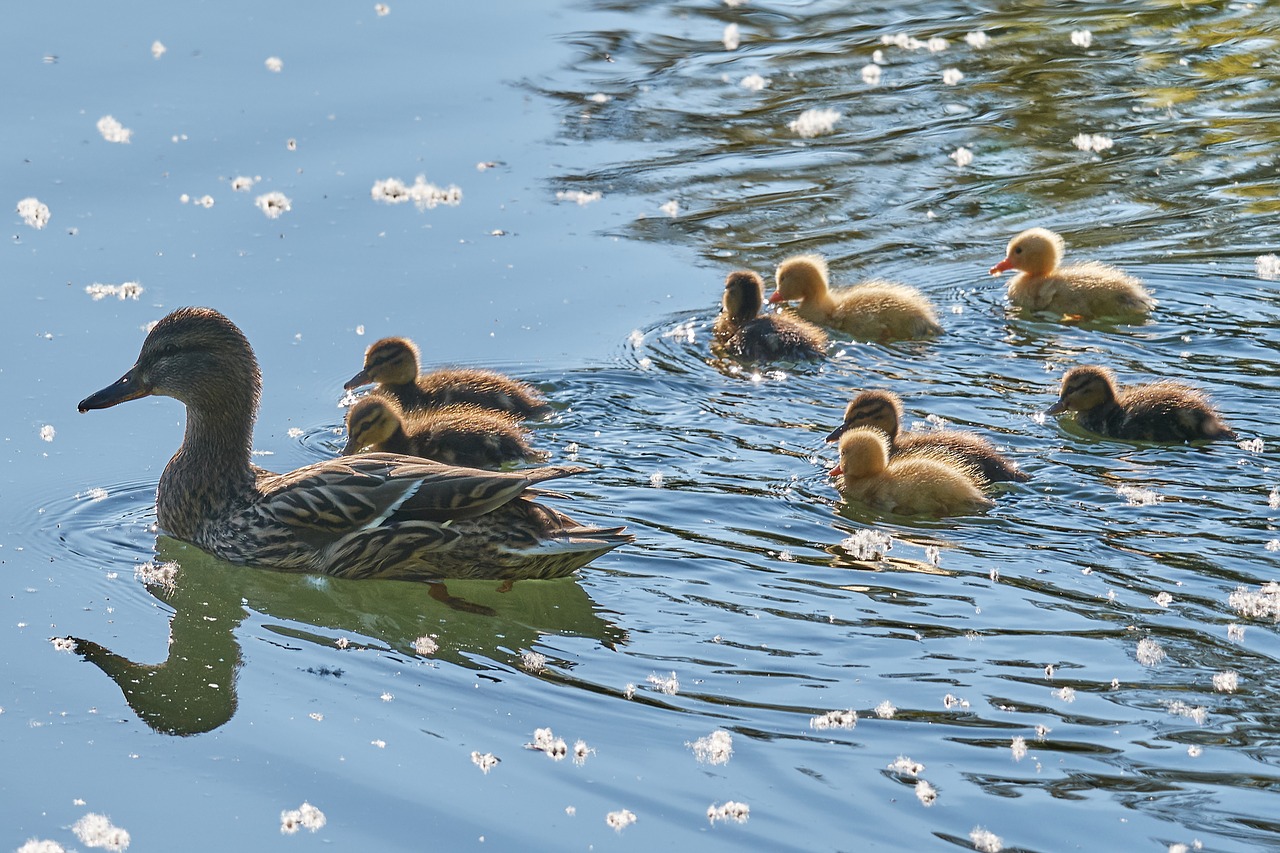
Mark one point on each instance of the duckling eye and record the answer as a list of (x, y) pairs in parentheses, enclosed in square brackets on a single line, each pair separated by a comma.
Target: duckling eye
[(1017, 250)]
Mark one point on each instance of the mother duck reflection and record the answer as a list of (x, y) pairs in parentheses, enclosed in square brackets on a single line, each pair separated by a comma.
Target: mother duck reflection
[(375, 516)]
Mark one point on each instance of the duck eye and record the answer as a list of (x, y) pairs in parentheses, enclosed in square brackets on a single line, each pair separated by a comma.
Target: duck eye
[(1018, 250)]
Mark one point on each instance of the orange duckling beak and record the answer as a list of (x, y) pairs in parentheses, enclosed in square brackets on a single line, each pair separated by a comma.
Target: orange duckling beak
[(776, 297), (836, 472), (1003, 266)]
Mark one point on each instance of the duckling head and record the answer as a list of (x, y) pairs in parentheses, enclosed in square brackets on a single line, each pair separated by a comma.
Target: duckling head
[(390, 361), (800, 277), (1084, 388), (370, 422), (879, 409), (864, 452), (743, 295), (1036, 251), (196, 356)]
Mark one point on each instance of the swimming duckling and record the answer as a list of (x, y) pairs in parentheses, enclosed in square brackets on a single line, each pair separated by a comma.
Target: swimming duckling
[(459, 434), (926, 482), (1158, 411), (883, 410), (392, 363), (875, 310), (1080, 291), (741, 332)]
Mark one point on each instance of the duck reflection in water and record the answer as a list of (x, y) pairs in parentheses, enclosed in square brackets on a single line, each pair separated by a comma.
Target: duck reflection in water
[(194, 689)]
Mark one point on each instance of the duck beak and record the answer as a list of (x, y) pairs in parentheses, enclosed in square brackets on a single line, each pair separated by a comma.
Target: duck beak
[(361, 378), (776, 297), (350, 447), (836, 472), (1003, 266), (126, 388), (837, 432), (1057, 408)]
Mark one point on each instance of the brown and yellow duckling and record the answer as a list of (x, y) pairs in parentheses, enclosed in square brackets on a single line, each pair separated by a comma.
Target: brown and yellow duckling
[(925, 482), (378, 515), (392, 363), (1158, 411), (1081, 291), (742, 332), (875, 310), (459, 434), (883, 410)]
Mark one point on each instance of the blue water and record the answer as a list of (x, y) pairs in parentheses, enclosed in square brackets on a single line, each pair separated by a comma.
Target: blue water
[(238, 694)]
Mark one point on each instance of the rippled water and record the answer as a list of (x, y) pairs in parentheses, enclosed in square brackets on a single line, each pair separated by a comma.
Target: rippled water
[(1061, 665)]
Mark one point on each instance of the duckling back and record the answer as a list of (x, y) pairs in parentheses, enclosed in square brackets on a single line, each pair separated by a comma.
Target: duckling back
[(973, 450), (741, 332), (469, 436), (469, 386), (878, 310), (1166, 411)]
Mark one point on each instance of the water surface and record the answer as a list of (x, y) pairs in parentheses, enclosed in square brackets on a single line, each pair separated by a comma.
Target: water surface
[(1059, 665)]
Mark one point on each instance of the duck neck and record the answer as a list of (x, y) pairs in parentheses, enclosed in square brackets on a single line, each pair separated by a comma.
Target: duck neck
[(211, 469)]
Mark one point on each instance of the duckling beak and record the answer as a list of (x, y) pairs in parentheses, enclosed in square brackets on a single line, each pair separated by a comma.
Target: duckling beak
[(837, 432), (1003, 266), (350, 447), (1057, 408), (776, 297), (361, 378), (836, 472), (128, 387)]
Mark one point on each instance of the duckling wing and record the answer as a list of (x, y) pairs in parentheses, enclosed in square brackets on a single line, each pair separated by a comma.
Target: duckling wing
[(333, 498)]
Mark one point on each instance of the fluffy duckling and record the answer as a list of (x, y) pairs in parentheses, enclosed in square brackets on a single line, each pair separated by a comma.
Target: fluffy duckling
[(926, 482), (459, 434), (392, 363), (741, 332), (883, 410), (1080, 291), (1158, 411), (875, 310)]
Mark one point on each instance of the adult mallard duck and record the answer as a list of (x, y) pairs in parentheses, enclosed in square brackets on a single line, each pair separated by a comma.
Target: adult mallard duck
[(458, 434), (374, 516), (1158, 411), (741, 332), (925, 482), (392, 363), (1080, 291), (883, 410), (875, 310)]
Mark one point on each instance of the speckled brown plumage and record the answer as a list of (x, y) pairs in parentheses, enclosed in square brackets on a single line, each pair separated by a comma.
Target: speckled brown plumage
[(377, 515)]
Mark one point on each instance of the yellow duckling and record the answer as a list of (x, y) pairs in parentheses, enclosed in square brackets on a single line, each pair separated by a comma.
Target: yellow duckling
[(883, 410), (1159, 411), (875, 310), (1080, 291), (741, 332), (392, 363), (926, 482), (458, 434)]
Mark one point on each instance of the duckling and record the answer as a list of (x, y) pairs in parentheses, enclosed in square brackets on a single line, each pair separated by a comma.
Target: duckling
[(392, 363), (883, 410), (741, 332), (925, 482), (458, 434), (1158, 411), (875, 310), (1080, 291)]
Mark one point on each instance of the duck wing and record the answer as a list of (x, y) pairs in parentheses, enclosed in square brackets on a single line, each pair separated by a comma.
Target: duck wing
[(336, 497)]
